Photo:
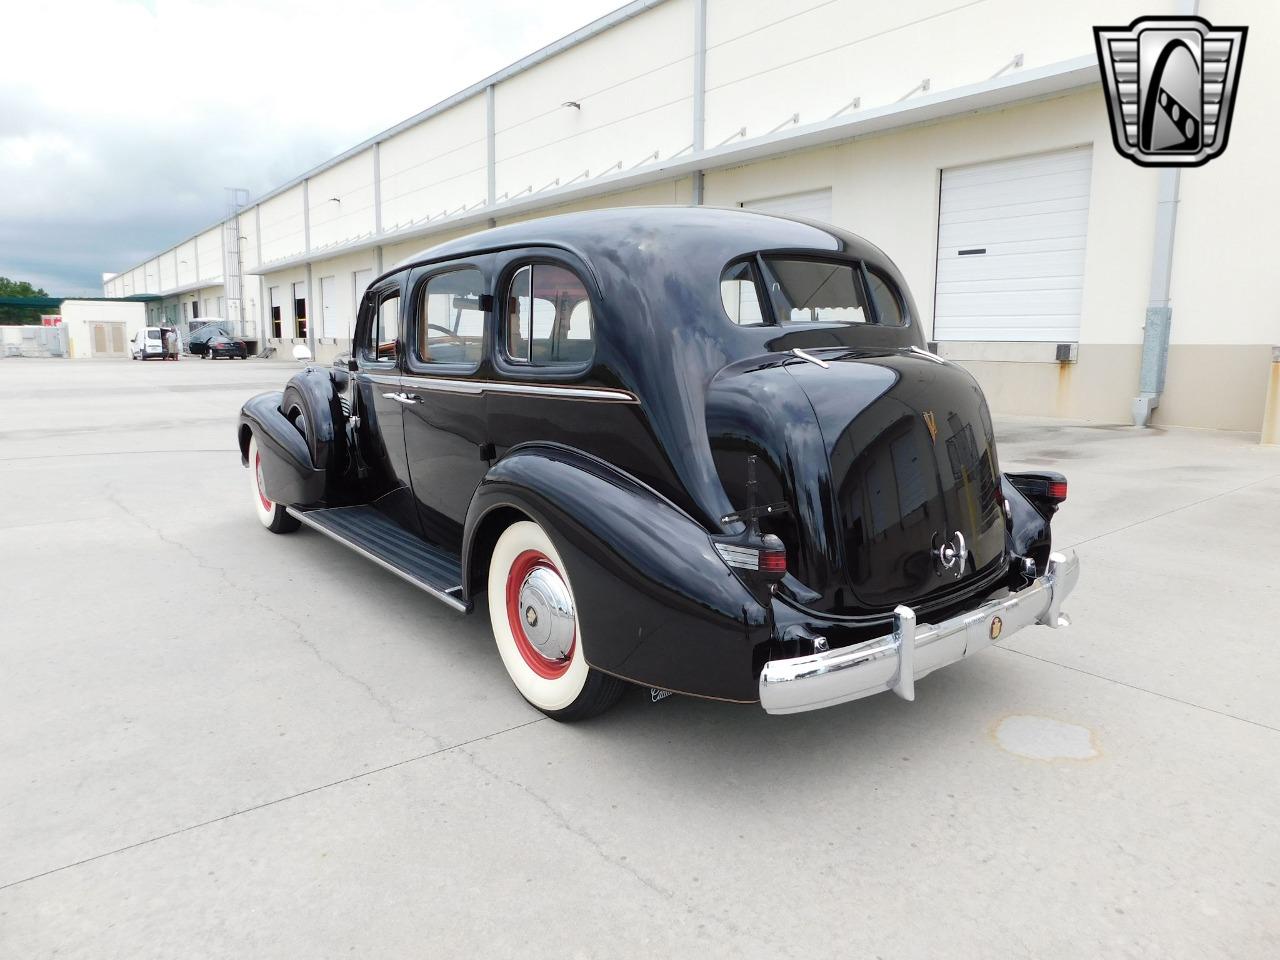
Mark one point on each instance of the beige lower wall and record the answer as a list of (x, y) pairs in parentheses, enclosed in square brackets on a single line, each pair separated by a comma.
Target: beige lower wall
[(1223, 387), (325, 352), (1100, 386)]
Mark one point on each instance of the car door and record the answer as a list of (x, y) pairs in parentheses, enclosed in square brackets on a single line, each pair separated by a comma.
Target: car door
[(378, 400), (448, 311)]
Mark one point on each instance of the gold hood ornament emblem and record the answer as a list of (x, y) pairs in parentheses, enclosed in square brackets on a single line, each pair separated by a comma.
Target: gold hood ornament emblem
[(932, 424)]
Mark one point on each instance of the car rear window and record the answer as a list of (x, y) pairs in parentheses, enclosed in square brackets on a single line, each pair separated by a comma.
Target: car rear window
[(153, 333), (817, 291)]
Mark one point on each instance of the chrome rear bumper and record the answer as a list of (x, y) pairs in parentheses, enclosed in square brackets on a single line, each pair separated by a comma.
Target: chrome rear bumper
[(897, 660)]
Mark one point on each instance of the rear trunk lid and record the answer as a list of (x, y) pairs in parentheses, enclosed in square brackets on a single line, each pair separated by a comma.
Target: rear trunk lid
[(912, 478)]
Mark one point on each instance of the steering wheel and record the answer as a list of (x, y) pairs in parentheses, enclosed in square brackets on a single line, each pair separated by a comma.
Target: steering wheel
[(446, 331)]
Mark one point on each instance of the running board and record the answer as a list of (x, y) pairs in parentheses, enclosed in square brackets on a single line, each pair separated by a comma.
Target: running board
[(376, 537)]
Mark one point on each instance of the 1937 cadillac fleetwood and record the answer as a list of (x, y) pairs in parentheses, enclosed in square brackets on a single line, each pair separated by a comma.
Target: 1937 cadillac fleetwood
[(705, 451)]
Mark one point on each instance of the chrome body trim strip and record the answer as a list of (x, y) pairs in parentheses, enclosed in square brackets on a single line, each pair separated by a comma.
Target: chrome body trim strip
[(564, 392), (796, 351), (451, 600), (896, 661)]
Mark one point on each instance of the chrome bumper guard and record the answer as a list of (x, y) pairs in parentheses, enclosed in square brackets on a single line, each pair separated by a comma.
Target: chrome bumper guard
[(896, 661)]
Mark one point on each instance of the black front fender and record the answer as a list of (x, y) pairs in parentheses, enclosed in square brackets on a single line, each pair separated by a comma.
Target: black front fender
[(288, 474), (656, 604)]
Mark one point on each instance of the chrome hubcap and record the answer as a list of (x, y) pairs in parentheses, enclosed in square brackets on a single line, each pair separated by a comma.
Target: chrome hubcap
[(547, 610)]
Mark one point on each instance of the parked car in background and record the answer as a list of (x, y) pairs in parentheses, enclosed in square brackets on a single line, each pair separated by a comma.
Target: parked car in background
[(199, 338), (220, 346), (704, 451), (147, 342)]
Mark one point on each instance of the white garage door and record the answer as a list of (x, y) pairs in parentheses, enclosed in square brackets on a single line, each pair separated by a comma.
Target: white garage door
[(1011, 239), (813, 205)]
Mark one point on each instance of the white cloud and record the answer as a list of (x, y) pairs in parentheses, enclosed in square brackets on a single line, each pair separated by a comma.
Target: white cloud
[(117, 138)]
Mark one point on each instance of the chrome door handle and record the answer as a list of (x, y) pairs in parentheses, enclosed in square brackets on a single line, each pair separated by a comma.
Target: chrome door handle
[(406, 398)]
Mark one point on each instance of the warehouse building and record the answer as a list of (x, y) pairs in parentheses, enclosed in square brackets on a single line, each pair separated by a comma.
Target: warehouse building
[(969, 140)]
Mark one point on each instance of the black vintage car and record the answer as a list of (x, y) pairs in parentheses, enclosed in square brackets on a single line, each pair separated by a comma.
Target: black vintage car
[(704, 451)]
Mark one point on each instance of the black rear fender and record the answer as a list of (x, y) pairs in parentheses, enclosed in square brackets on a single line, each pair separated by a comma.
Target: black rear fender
[(1029, 521), (313, 401), (289, 475), (655, 602)]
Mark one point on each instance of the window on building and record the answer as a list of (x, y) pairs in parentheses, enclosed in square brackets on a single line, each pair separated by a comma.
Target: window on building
[(300, 311), (195, 309), (739, 292), (451, 327), (548, 317), (277, 318)]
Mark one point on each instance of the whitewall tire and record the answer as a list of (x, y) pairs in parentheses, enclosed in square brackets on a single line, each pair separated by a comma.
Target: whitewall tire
[(535, 624), (271, 515)]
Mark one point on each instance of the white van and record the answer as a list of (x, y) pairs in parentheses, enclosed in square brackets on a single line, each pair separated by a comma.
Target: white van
[(147, 342)]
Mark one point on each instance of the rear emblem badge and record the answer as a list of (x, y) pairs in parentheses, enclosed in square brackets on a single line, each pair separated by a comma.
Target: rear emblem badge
[(952, 554), (996, 626), (932, 424)]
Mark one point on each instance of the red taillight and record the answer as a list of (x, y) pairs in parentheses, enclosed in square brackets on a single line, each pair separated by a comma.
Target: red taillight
[(1058, 490), (773, 561), (769, 557)]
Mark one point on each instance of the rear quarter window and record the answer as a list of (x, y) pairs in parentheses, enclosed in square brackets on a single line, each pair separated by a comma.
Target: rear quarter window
[(887, 299)]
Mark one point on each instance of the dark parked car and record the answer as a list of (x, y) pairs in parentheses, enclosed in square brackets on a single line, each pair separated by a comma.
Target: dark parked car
[(216, 347), (704, 451), (198, 341)]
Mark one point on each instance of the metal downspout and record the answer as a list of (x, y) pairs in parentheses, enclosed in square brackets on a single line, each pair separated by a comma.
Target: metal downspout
[(699, 91), (1155, 331)]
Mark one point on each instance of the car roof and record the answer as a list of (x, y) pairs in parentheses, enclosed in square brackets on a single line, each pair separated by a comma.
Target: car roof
[(626, 233)]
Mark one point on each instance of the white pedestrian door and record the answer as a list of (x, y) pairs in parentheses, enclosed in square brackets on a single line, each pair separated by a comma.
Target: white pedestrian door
[(1011, 239), (360, 281), (812, 205), (328, 307)]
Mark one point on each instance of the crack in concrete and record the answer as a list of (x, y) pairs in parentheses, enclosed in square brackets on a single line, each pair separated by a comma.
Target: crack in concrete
[(779, 948), (297, 628), (363, 774)]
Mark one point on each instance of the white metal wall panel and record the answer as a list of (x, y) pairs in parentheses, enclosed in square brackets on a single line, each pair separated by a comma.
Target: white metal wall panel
[(1011, 242), (813, 205)]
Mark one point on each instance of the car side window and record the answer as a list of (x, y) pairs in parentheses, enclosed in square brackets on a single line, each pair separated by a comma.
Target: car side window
[(548, 317), (740, 294), (378, 343), (452, 318), (887, 302)]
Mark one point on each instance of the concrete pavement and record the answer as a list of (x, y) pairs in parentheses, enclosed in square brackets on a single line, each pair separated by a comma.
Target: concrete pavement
[(216, 742)]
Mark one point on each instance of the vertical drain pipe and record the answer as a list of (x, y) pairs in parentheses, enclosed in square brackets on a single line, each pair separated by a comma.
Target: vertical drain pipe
[(699, 91), (1155, 332)]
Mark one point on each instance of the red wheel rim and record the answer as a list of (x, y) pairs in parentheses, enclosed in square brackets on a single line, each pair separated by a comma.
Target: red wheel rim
[(257, 480), (543, 666)]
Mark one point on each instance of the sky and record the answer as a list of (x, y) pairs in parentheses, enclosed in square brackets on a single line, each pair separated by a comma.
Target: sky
[(123, 121)]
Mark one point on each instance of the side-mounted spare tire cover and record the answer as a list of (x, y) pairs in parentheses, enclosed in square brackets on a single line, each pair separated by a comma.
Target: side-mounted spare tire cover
[(312, 401)]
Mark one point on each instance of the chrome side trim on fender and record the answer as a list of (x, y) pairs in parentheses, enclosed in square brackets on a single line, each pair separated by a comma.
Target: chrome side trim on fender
[(896, 661)]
